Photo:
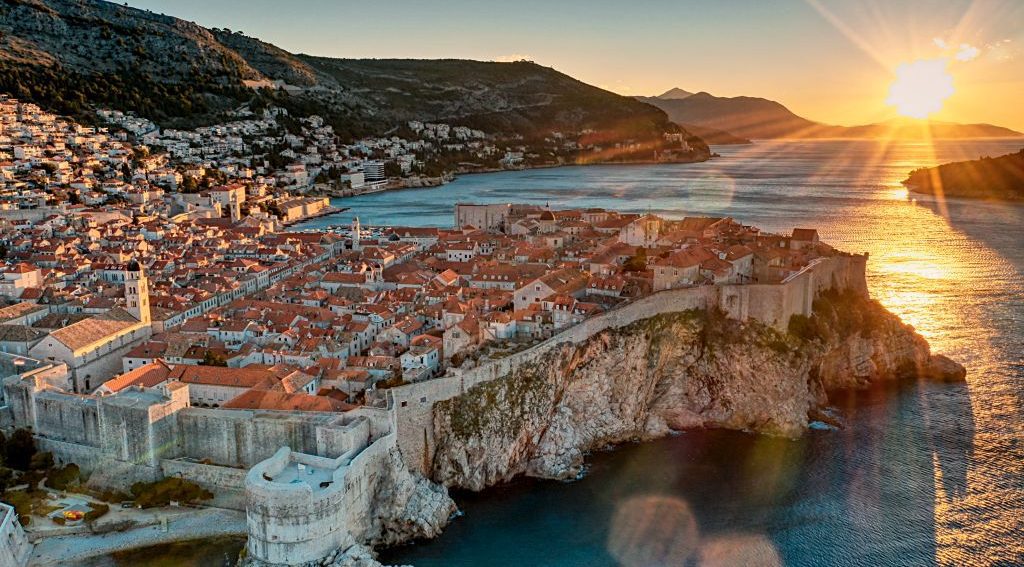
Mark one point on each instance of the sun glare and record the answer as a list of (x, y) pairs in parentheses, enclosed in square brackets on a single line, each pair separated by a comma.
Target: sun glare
[(920, 87)]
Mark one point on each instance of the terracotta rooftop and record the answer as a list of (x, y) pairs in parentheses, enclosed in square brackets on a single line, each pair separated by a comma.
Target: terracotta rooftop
[(282, 401)]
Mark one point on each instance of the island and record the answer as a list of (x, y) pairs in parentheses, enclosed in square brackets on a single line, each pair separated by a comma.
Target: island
[(994, 179)]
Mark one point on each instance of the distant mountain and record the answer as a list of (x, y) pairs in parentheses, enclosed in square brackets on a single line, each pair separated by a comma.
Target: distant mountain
[(908, 128), (758, 118), (713, 136), (71, 54), (674, 94), (999, 179), (743, 116)]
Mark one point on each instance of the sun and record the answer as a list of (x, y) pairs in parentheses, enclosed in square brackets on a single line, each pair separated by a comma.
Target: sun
[(920, 88)]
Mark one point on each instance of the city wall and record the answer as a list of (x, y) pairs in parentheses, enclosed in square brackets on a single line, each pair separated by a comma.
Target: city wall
[(297, 522), (226, 483), (142, 434), (772, 304)]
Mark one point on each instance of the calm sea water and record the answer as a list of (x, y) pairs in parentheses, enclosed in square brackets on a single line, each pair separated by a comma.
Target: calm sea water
[(922, 474)]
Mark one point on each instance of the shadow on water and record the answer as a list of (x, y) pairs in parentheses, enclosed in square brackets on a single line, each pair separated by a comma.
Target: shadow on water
[(865, 495), (998, 225)]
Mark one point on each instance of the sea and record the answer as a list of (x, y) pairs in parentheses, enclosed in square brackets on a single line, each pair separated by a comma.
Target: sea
[(919, 473)]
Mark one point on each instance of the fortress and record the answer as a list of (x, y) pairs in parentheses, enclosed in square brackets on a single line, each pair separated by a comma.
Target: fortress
[(311, 482)]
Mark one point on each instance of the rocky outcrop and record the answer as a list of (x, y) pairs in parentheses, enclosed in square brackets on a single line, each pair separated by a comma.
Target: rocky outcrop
[(670, 372), (407, 506)]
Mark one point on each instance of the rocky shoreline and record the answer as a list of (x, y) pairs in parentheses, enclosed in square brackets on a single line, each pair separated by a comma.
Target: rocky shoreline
[(672, 372)]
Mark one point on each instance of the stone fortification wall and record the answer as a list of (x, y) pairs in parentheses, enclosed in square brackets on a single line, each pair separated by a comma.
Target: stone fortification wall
[(244, 438), (226, 483), (295, 523), (772, 304), (67, 417)]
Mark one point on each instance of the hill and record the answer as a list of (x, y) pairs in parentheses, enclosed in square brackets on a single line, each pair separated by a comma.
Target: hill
[(70, 55), (743, 116), (759, 118), (714, 136), (675, 93), (998, 179)]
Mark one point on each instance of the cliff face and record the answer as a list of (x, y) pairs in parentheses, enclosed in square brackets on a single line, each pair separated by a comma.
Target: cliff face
[(670, 372), (406, 506)]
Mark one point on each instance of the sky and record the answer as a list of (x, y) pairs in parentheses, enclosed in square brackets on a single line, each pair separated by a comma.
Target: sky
[(827, 60)]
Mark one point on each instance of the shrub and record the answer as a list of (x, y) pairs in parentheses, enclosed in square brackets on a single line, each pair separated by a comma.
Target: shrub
[(97, 512), (163, 492), (31, 478), (806, 328), (6, 479), (60, 479), (113, 496), (41, 461), (20, 449)]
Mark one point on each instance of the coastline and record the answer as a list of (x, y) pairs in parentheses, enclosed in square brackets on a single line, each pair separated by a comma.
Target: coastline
[(331, 210), (449, 178)]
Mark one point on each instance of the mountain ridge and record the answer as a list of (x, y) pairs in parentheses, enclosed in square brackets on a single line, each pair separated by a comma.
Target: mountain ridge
[(74, 55), (761, 118)]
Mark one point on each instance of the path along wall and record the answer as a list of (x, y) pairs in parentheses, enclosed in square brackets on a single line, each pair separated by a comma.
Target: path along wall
[(772, 304)]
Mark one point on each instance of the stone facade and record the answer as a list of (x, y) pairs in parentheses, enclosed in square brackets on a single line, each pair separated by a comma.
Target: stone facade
[(14, 545)]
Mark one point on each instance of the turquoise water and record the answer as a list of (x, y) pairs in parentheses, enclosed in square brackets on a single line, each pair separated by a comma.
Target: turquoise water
[(923, 474)]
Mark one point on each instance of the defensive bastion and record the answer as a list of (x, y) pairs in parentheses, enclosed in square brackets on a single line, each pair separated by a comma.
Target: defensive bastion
[(307, 480)]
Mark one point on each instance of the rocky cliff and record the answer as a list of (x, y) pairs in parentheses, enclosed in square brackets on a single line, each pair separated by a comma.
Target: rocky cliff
[(671, 372), (406, 506)]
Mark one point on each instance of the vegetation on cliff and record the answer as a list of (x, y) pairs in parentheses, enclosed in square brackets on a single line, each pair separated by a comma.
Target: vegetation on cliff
[(670, 371), (839, 314), (1000, 179)]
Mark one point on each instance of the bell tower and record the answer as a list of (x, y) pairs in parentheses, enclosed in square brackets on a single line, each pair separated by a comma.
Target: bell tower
[(356, 229), (136, 292)]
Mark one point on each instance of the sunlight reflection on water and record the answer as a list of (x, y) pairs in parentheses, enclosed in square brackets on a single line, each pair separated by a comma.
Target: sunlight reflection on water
[(955, 271)]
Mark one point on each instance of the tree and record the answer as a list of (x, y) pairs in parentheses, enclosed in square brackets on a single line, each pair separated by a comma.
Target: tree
[(392, 169), (171, 489), (6, 479), (61, 478), (214, 359), (20, 448), (637, 262), (41, 461)]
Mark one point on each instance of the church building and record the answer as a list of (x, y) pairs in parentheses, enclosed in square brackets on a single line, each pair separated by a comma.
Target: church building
[(92, 348)]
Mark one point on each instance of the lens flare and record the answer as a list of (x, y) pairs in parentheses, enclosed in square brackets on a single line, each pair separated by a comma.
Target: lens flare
[(920, 88)]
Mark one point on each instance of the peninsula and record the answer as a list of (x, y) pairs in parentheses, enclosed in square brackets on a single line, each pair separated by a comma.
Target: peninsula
[(994, 179), (356, 375)]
